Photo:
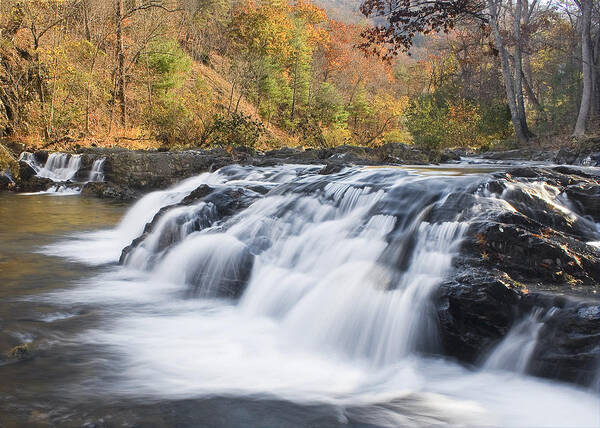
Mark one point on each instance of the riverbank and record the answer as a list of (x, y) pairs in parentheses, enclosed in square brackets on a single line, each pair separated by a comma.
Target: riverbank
[(131, 173)]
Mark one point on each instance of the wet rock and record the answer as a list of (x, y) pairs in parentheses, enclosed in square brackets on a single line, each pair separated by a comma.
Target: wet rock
[(105, 190), (223, 204), (532, 256), (41, 156), (26, 172), (586, 198), (475, 310), (568, 346), (331, 168), (34, 184), (452, 156), (197, 194)]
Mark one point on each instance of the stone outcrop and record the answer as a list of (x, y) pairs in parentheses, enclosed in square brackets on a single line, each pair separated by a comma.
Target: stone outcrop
[(535, 256)]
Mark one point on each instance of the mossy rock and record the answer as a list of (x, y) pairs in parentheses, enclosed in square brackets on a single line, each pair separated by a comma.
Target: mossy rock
[(8, 162)]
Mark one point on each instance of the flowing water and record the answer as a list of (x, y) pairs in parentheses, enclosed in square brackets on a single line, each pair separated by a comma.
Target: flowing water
[(285, 298), (64, 169)]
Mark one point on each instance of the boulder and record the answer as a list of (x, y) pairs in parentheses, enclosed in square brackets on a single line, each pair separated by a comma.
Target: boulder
[(568, 346), (475, 311), (40, 156), (26, 172), (105, 190), (533, 257), (332, 168), (35, 184)]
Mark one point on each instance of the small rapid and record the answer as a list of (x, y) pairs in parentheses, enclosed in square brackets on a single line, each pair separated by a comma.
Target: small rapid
[(311, 288), (65, 170)]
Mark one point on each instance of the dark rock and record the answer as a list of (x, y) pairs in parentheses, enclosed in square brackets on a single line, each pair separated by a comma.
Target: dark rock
[(475, 310), (513, 262), (105, 190), (224, 203), (197, 194), (586, 198), (451, 156), (566, 156), (40, 156), (26, 172), (35, 184), (568, 347), (331, 168)]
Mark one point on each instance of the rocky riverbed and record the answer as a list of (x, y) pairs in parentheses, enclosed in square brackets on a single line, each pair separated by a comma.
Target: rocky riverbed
[(528, 250)]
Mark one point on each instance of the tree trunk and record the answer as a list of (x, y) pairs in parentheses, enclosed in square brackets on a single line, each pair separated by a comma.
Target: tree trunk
[(518, 70), (517, 121), (120, 75), (596, 80), (587, 62)]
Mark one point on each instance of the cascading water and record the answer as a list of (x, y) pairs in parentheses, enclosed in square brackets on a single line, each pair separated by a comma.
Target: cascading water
[(97, 171), (29, 159), (515, 350), (60, 167), (309, 288)]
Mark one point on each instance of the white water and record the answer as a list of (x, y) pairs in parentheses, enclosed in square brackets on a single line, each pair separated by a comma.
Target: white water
[(60, 167), (326, 315), (97, 171), (515, 350)]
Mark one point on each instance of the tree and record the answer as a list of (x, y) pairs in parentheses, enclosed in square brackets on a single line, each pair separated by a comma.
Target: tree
[(123, 12), (404, 19), (590, 64)]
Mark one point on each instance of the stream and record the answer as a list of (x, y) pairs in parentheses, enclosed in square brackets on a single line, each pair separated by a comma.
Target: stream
[(285, 299)]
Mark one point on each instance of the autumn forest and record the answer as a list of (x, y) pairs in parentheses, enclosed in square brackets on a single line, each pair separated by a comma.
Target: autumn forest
[(264, 74)]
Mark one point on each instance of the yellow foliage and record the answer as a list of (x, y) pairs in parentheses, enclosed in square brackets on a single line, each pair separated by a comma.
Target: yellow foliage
[(336, 136)]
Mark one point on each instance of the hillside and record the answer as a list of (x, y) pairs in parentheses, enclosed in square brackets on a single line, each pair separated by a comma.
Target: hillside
[(342, 10)]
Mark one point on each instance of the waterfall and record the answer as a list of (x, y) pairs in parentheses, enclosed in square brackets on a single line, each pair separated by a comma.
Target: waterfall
[(514, 351), (60, 167), (29, 159), (97, 172), (321, 255), (284, 284)]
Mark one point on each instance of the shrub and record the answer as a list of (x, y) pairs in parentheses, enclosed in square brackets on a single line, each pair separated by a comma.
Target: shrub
[(425, 121), (437, 122), (235, 129), (183, 119)]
